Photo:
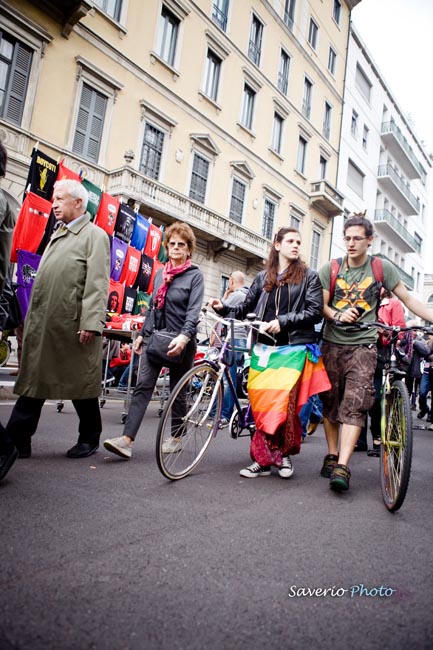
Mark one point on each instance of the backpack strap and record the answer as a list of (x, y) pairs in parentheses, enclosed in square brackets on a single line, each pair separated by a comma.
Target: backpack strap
[(377, 268), (335, 270)]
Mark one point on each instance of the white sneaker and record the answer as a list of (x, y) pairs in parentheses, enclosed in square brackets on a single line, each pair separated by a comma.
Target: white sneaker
[(172, 445), (286, 470), (255, 470), (119, 446)]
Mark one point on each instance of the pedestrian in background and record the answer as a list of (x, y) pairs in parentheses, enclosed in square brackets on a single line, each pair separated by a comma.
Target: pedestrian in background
[(62, 346)]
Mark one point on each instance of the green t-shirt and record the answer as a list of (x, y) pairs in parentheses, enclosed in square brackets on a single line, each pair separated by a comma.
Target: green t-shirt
[(356, 288)]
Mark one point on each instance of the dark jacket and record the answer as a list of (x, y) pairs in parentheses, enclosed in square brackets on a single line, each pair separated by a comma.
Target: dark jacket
[(305, 309), (183, 301)]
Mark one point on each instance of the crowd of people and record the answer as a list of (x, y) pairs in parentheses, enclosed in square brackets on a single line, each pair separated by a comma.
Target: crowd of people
[(300, 373)]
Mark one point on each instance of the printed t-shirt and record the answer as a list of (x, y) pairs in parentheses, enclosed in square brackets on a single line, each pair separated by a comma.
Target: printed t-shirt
[(144, 273), (118, 255), (42, 174), (141, 229), (31, 223), (356, 287), (125, 223), (131, 267), (107, 213), (153, 242)]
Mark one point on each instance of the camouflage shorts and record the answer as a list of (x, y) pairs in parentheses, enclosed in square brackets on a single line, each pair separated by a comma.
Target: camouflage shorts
[(350, 370)]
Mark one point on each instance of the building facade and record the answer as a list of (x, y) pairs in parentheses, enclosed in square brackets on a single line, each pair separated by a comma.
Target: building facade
[(224, 114), (383, 169)]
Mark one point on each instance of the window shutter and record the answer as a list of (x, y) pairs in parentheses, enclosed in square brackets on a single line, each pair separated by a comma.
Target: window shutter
[(17, 88), (90, 122)]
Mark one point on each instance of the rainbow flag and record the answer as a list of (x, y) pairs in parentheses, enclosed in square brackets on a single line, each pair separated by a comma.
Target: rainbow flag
[(274, 371)]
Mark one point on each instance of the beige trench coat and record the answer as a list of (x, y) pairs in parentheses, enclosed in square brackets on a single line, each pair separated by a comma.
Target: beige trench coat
[(69, 294)]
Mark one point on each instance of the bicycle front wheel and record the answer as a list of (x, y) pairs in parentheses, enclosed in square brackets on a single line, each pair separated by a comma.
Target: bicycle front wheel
[(189, 420), (396, 447)]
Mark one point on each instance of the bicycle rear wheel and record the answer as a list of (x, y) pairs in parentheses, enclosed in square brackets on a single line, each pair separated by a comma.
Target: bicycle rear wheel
[(183, 436), (5, 351), (396, 447)]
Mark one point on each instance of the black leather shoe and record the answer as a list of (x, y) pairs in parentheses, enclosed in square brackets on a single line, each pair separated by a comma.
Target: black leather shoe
[(7, 459), (82, 450)]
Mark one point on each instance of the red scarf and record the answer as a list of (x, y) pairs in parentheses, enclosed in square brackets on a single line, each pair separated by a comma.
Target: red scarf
[(168, 274)]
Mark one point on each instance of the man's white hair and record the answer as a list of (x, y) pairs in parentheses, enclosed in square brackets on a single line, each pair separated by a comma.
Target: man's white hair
[(75, 189)]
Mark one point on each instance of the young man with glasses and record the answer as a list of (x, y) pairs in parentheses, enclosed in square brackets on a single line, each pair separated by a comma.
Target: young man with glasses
[(350, 356)]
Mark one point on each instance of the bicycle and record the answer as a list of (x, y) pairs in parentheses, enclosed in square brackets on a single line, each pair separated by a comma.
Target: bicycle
[(395, 422), (202, 390)]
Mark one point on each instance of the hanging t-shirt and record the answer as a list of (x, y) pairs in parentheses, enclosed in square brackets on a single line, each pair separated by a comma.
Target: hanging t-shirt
[(107, 213), (31, 223), (156, 266), (95, 194), (125, 223), (115, 297), (27, 266), (162, 255), (128, 300), (42, 175), (144, 273), (153, 242), (141, 229), (131, 267), (118, 255), (64, 173), (141, 304)]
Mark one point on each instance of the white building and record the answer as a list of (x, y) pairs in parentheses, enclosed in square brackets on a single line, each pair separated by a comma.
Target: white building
[(382, 168)]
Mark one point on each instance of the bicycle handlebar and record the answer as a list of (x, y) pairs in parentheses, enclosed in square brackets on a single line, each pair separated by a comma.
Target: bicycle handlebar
[(428, 329)]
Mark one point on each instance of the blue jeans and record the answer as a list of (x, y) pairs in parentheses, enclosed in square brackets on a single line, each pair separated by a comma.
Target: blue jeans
[(312, 410), (424, 388), (228, 401)]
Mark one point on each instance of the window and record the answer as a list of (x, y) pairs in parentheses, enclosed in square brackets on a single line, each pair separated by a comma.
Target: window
[(167, 35), (90, 123), (322, 167), (289, 13), (315, 247), (283, 72), (268, 219), (220, 13), (15, 62), (151, 153), (199, 176), (363, 83), (237, 201), (354, 124), (295, 222), (312, 34), (302, 154), (255, 45), (306, 101), (355, 178), (332, 58), (327, 121), (111, 7), (277, 133), (337, 11), (248, 107), (213, 68), (365, 132)]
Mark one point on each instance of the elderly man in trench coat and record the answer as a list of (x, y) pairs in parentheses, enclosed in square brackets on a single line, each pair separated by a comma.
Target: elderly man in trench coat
[(62, 345)]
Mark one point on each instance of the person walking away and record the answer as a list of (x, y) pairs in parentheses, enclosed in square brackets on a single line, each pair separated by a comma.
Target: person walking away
[(350, 356), (176, 303), (286, 367), (62, 346), (235, 295)]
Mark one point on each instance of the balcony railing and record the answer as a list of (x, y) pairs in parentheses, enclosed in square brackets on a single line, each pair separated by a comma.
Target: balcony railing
[(407, 241), (326, 198), (219, 17), (165, 201), (415, 169), (389, 171), (407, 279), (254, 52)]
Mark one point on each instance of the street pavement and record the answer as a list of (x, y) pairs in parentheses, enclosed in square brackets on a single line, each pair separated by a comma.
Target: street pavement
[(106, 554)]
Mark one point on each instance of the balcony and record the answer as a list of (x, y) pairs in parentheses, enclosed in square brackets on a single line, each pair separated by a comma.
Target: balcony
[(401, 150), (405, 277), (167, 205), (326, 198), (219, 17), (398, 190), (392, 229), (68, 13)]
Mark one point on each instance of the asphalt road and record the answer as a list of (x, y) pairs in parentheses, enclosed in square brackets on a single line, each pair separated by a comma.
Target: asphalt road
[(102, 553)]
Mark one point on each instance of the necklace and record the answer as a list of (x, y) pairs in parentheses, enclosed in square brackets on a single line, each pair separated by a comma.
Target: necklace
[(357, 273)]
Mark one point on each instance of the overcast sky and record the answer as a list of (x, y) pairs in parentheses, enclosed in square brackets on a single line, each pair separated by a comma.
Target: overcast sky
[(399, 36)]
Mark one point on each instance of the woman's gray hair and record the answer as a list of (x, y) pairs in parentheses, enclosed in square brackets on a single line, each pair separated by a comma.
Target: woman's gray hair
[(75, 189)]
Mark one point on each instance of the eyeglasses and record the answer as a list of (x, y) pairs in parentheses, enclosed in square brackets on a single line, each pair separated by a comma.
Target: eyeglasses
[(179, 244), (355, 238)]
